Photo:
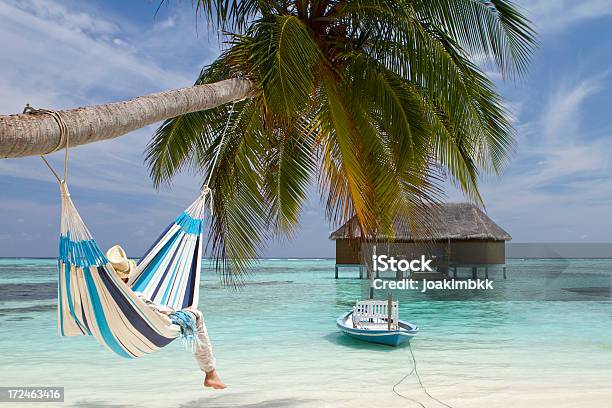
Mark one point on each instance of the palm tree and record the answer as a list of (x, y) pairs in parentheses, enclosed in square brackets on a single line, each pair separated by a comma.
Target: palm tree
[(379, 101)]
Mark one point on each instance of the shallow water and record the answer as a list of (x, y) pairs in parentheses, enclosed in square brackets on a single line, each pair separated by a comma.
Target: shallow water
[(542, 337)]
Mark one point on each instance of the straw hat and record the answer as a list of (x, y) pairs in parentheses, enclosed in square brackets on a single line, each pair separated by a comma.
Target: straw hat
[(120, 262)]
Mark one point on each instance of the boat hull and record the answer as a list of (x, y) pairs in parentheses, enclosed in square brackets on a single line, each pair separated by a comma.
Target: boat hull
[(388, 337)]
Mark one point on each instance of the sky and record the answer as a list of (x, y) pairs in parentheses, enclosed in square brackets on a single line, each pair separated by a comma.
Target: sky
[(63, 54)]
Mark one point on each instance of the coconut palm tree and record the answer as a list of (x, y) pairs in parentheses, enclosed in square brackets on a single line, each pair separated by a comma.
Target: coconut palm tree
[(378, 101)]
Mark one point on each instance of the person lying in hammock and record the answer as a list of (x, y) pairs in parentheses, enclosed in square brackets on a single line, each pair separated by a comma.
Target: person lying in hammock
[(203, 352)]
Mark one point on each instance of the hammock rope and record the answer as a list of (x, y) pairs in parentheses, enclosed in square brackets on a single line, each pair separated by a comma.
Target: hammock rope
[(64, 139), (216, 158), (206, 190), (94, 301)]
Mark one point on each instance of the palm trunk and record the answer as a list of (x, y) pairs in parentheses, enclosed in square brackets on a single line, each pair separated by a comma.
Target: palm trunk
[(27, 135)]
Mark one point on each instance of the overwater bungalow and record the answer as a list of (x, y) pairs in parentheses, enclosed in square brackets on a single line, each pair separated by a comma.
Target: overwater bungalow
[(459, 235)]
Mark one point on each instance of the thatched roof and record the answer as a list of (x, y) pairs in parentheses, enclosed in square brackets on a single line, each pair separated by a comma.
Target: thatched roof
[(455, 221)]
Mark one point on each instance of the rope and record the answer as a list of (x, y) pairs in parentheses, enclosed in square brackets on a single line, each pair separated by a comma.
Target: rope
[(212, 168), (51, 168), (415, 371), (62, 142), (402, 380), (206, 190)]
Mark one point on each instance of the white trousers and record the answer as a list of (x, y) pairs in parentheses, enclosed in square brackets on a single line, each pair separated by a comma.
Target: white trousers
[(203, 353)]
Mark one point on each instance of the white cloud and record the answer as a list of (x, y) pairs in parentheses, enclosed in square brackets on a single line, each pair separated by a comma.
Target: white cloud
[(47, 47), (562, 116), (557, 15), (58, 57), (54, 57), (553, 190), (71, 20), (170, 22)]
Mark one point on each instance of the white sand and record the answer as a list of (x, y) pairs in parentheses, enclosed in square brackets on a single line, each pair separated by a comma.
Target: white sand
[(485, 395)]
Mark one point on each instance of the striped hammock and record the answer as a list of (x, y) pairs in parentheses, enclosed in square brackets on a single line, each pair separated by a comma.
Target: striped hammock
[(92, 299), (169, 272)]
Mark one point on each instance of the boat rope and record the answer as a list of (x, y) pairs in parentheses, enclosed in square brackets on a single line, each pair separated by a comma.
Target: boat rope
[(402, 380), (416, 372)]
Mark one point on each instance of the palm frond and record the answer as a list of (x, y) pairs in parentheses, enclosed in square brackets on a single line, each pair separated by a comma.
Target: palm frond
[(382, 101), (492, 31), (282, 57), (289, 164), (171, 147), (239, 230), (237, 15)]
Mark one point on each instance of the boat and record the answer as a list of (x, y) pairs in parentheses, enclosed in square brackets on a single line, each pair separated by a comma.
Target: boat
[(371, 321)]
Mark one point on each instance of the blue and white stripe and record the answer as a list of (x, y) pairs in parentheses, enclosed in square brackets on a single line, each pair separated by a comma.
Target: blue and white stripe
[(169, 272), (92, 300)]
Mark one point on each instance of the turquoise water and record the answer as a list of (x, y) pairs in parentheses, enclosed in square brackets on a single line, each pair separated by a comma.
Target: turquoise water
[(541, 338)]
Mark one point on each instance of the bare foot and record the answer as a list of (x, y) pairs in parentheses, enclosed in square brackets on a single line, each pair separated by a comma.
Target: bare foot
[(212, 380)]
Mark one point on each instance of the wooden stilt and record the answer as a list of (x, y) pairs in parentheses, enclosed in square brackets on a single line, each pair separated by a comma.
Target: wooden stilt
[(505, 275), (486, 272), (474, 272), (389, 309), (336, 271), (454, 272), (360, 271)]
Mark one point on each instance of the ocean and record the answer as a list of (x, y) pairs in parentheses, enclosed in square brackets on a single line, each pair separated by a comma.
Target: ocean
[(541, 338)]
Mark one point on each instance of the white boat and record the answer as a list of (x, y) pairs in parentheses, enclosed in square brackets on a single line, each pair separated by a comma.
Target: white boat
[(377, 321)]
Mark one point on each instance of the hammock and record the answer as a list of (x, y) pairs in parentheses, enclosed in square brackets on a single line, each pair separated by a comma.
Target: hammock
[(94, 301)]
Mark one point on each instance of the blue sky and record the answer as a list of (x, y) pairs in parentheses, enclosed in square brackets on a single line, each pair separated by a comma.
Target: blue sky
[(61, 54)]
